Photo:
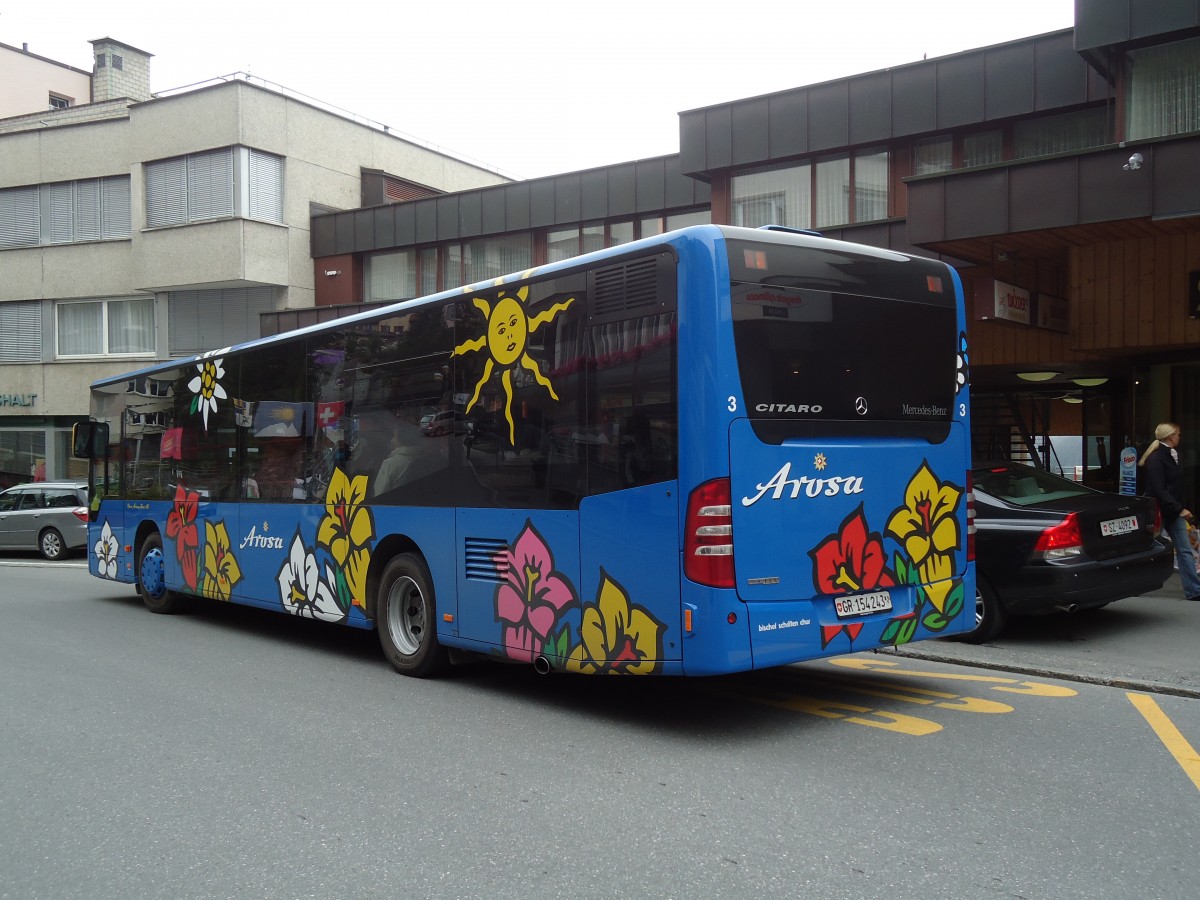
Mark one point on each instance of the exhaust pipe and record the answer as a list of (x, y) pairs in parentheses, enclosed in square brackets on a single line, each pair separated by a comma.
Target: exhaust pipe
[(541, 665), (1067, 607)]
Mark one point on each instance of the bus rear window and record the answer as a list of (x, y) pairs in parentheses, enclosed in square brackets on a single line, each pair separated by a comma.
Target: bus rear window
[(816, 361)]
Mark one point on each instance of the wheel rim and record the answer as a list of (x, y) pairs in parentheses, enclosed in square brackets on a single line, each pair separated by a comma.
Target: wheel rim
[(51, 544), (406, 615), (152, 574), (979, 608)]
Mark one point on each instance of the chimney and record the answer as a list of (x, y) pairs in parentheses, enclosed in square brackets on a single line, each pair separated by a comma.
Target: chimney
[(119, 71)]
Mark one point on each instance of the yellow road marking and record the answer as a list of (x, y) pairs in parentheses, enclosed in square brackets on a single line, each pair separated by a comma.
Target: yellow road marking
[(831, 709), (1175, 742), (1030, 688)]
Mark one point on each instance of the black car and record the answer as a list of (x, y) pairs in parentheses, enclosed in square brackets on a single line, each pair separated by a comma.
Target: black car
[(1045, 544)]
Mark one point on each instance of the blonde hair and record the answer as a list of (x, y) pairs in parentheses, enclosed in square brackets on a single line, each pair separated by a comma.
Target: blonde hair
[(1161, 433)]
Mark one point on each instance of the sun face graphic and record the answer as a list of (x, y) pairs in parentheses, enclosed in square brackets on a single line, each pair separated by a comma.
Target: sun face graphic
[(505, 339)]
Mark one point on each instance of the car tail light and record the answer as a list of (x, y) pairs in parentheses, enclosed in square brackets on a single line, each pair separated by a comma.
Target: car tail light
[(81, 513), (970, 517), (708, 536), (1060, 541)]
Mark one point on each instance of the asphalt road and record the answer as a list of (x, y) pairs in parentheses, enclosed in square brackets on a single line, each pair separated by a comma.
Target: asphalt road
[(231, 752)]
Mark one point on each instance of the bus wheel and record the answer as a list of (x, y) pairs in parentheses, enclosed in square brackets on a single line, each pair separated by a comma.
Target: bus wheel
[(151, 578), (990, 614), (406, 618)]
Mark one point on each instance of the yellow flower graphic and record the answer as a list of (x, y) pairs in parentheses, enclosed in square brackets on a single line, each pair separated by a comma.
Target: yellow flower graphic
[(508, 330), (221, 569), (927, 527), (618, 637), (346, 531)]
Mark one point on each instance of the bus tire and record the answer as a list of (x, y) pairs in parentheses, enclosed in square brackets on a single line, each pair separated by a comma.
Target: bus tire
[(151, 578), (990, 614), (406, 618)]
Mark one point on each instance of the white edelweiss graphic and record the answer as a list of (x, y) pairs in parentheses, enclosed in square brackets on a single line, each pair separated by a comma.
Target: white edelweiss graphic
[(302, 591), (207, 387), (106, 553)]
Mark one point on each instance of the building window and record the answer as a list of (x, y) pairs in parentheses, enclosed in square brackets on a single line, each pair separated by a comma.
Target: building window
[(1164, 93), (59, 102), (933, 155), (391, 276), (776, 197), (832, 191), (118, 62), (199, 321), (101, 60), (218, 184), (21, 331), (983, 148), (1063, 133), (105, 327), (91, 209), (485, 258)]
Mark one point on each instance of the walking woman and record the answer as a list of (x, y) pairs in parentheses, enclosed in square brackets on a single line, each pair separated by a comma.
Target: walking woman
[(1164, 482)]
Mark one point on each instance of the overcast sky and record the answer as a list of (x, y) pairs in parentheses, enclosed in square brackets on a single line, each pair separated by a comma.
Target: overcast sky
[(529, 88)]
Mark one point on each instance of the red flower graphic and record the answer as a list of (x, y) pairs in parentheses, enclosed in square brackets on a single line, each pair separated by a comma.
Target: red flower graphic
[(851, 560), (181, 528)]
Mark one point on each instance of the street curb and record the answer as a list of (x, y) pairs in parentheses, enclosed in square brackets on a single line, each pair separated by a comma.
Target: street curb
[(1124, 683)]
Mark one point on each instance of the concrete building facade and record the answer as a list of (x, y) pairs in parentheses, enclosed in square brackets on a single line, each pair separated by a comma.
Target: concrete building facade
[(136, 228)]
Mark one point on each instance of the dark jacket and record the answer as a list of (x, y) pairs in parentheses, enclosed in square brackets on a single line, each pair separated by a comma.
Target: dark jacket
[(1164, 482)]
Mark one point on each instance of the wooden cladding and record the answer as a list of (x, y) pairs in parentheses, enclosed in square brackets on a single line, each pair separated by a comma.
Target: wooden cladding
[(1133, 294)]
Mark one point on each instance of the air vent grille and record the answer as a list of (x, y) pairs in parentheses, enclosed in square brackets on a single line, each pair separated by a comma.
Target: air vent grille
[(631, 289), (485, 560)]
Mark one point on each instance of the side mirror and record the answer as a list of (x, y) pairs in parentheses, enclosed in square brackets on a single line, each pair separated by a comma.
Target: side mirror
[(89, 440)]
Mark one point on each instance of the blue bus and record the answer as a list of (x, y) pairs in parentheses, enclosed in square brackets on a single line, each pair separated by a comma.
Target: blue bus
[(714, 450)]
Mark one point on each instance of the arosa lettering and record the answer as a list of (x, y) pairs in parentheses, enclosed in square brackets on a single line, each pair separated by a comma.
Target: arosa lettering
[(18, 399), (782, 481), (262, 541)]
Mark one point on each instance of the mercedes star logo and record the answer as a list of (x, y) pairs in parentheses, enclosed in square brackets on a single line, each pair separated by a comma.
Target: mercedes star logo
[(860, 406)]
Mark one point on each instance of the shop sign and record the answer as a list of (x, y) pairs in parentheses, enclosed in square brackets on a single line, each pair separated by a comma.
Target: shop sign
[(1012, 303), (1052, 313), (17, 399)]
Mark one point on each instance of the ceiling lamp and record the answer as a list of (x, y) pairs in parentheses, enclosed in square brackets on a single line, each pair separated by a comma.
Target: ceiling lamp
[(1070, 398), (1037, 376), (1089, 382)]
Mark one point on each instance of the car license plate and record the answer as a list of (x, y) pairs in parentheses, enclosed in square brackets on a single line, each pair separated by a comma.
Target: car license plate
[(1123, 525), (862, 604)]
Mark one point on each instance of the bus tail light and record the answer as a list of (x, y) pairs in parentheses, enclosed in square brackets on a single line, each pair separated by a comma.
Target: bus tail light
[(970, 518), (708, 537)]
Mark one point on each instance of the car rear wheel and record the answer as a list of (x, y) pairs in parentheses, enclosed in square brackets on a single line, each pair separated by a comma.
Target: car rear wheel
[(51, 544), (151, 579), (990, 614)]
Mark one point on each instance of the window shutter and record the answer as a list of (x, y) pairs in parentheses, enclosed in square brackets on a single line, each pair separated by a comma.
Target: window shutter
[(116, 215), (20, 217), (166, 192), (266, 186), (21, 331), (200, 321), (87, 210), (210, 185), (57, 213)]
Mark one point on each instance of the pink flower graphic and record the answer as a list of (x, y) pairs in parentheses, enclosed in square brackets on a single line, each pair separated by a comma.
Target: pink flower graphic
[(534, 598)]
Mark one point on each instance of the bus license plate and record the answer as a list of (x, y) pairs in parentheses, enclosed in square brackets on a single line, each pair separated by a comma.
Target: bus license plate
[(862, 604), (1124, 525)]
